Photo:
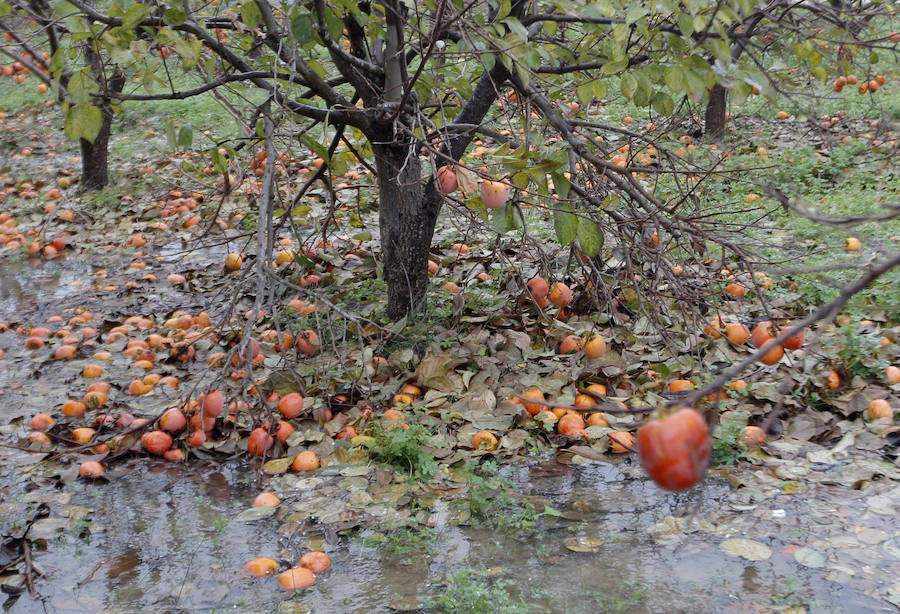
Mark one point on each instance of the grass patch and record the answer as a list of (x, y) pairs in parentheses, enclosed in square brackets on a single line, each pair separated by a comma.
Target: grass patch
[(493, 504), (403, 448), (475, 592)]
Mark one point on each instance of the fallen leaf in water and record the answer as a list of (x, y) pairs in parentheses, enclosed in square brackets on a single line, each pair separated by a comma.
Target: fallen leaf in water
[(746, 549), (582, 543)]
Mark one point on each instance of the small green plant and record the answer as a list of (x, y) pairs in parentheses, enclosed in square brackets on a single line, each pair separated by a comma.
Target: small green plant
[(815, 292), (409, 544), (411, 539), (856, 349), (403, 448), (727, 445), (493, 504), (474, 592), (614, 604)]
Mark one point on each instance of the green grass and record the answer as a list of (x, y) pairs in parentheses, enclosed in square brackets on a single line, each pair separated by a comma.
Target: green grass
[(14, 98), (493, 504), (727, 445), (403, 448), (474, 592)]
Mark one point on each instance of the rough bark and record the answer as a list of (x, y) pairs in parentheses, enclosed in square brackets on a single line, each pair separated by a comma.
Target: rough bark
[(95, 156), (95, 159), (715, 113), (406, 223), (409, 203)]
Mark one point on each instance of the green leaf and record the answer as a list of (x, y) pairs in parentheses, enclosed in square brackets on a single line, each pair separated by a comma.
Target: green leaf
[(83, 122), (520, 180), (675, 78), (318, 68), (515, 26), (634, 13), (302, 28), (81, 86), (220, 162), (174, 17), (611, 68), (585, 93), (185, 137), (524, 74), (506, 218), (628, 86), (565, 223), (561, 185), (316, 146), (190, 51), (590, 239), (335, 24), (170, 133), (611, 202), (685, 24), (250, 13), (721, 50), (819, 72), (58, 61), (5, 9), (134, 15), (695, 87), (662, 103)]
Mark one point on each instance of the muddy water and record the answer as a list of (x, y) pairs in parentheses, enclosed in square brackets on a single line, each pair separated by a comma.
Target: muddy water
[(163, 538), (26, 284)]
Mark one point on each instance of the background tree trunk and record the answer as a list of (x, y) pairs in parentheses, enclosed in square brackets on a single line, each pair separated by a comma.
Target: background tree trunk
[(715, 113), (95, 159), (95, 156), (407, 213)]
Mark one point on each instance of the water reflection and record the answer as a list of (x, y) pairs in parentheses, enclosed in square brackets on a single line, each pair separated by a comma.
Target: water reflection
[(24, 284), (166, 541)]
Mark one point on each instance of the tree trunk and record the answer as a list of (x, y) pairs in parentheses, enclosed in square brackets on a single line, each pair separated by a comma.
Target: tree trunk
[(95, 156), (715, 113), (409, 204), (95, 159), (407, 214)]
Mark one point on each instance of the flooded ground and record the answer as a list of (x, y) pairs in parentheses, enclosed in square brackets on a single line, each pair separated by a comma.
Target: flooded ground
[(165, 538)]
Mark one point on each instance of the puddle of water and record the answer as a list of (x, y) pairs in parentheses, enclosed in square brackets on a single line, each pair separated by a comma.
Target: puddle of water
[(26, 284), (162, 538)]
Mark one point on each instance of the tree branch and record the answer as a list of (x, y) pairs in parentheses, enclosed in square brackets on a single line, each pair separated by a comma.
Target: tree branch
[(828, 310)]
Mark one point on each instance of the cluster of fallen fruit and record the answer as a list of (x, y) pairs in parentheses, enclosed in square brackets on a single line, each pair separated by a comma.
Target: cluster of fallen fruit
[(296, 578), (674, 451)]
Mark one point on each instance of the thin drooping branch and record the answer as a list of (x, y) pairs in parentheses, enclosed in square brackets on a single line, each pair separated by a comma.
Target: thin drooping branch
[(827, 311), (202, 89), (851, 220)]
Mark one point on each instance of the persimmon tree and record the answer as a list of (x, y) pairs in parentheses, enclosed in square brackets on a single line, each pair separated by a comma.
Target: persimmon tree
[(406, 87), (809, 41), (64, 52)]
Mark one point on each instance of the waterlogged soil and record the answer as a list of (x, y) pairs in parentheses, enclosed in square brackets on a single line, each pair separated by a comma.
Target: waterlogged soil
[(168, 538)]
